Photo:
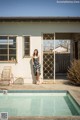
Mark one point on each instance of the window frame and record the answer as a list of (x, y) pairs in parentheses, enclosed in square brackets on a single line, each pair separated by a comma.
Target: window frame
[(24, 55), (8, 54)]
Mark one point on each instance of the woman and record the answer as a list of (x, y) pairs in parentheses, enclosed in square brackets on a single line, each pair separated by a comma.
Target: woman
[(36, 65)]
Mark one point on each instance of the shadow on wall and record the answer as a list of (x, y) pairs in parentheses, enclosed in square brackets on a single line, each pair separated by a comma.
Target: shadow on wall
[(32, 73)]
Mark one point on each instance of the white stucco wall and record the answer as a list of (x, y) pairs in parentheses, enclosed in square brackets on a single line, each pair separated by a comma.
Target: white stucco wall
[(23, 67)]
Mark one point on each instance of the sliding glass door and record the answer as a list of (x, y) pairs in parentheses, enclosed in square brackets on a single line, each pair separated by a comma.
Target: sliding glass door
[(59, 49), (62, 58)]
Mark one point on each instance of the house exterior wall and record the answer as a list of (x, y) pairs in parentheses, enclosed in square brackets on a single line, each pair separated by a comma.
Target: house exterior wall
[(23, 67)]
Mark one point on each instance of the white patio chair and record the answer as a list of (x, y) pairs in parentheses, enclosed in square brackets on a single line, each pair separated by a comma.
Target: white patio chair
[(6, 76)]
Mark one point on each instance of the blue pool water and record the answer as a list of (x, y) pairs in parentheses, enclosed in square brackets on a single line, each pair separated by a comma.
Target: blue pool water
[(38, 104)]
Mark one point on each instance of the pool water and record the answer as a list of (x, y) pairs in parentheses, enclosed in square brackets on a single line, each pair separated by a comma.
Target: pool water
[(39, 104)]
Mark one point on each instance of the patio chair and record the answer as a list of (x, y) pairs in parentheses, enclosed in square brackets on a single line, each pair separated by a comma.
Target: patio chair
[(6, 76)]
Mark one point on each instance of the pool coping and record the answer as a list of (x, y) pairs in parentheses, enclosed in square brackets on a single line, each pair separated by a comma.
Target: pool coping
[(34, 91), (45, 117)]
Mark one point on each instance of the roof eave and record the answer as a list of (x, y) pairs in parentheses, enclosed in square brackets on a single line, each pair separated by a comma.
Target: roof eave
[(38, 19)]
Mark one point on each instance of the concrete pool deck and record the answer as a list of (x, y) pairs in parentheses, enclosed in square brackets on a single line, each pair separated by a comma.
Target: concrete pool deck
[(59, 85)]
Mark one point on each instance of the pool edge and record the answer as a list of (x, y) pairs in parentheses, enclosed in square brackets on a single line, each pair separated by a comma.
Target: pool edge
[(44, 117)]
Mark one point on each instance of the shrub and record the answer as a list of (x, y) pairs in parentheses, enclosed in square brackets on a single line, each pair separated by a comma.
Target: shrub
[(74, 72)]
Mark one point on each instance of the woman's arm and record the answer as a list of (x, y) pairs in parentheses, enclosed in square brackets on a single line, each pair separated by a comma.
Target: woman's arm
[(32, 60)]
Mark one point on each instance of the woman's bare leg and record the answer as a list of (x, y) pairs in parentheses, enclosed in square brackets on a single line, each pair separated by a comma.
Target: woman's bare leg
[(37, 77)]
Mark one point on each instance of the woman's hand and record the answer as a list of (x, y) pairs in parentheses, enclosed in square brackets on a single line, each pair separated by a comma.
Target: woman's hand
[(32, 63)]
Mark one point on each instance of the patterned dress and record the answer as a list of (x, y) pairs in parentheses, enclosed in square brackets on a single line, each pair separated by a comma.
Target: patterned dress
[(36, 66)]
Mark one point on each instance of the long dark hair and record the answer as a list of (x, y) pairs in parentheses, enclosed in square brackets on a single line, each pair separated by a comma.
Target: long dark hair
[(36, 53)]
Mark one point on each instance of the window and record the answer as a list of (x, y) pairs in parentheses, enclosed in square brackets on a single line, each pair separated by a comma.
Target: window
[(26, 46), (7, 48)]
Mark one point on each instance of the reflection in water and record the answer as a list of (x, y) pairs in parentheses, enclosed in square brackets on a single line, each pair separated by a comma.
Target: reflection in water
[(48, 45)]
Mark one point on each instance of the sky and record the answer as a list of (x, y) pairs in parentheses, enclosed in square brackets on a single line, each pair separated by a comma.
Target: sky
[(39, 8)]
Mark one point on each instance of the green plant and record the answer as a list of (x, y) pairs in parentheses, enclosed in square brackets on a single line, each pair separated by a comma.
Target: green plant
[(74, 72)]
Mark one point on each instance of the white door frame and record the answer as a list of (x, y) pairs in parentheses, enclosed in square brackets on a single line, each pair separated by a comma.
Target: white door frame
[(54, 59)]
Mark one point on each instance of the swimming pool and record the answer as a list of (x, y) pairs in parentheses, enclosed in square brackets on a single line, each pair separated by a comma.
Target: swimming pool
[(38, 103)]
